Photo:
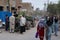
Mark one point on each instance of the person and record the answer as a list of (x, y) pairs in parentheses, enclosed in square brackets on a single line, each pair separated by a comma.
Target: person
[(55, 25), (40, 29), (52, 26), (22, 24), (7, 23), (16, 21), (0, 25), (12, 24), (35, 21), (48, 28), (16, 24), (28, 24)]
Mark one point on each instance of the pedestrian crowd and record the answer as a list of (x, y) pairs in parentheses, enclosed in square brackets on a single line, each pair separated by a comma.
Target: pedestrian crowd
[(14, 24), (46, 26)]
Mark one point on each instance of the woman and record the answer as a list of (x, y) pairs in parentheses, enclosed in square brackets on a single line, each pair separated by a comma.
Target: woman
[(40, 29), (56, 25), (48, 28)]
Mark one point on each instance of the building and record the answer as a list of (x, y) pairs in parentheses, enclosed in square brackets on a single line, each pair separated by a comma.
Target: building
[(15, 4), (2, 5), (11, 5), (27, 7)]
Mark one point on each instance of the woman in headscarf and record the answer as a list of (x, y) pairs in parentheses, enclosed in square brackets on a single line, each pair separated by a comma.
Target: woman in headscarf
[(40, 29)]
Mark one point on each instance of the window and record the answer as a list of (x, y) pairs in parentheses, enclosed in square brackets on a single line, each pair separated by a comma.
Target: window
[(1, 8), (8, 8), (14, 3)]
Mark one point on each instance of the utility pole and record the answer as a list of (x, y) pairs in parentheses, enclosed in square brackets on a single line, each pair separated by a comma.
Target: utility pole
[(47, 5), (47, 2), (45, 9), (44, 6), (9, 5)]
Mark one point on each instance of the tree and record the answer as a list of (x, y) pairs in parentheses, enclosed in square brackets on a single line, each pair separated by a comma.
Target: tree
[(52, 8), (58, 7)]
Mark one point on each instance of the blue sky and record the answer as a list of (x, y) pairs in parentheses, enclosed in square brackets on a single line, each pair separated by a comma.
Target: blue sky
[(39, 3)]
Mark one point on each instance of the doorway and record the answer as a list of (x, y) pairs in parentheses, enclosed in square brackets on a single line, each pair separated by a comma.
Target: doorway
[(1, 8)]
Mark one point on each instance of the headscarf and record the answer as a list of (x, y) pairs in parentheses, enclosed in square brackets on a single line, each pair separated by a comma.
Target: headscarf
[(41, 22)]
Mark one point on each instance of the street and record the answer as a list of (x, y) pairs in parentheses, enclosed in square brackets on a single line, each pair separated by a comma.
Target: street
[(28, 35)]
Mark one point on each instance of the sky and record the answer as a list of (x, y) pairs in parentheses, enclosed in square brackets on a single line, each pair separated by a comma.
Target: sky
[(39, 3)]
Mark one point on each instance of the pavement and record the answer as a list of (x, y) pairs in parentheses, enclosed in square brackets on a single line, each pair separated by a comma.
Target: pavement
[(28, 35)]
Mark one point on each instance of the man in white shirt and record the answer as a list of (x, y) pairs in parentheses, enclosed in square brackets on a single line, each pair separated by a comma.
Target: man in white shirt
[(12, 23), (22, 24)]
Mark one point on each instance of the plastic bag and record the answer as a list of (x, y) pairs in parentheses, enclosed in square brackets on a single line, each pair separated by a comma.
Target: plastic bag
[(36, 36)]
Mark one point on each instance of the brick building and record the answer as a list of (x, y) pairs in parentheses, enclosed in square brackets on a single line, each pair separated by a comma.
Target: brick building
[(28, 7), (15, 4), (2, 5)]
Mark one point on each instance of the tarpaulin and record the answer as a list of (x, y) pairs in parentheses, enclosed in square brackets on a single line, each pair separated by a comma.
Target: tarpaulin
[(3, 15)]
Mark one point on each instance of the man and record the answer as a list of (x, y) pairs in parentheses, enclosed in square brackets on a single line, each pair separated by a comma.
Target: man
[(7, 23), (12, 24), (22, 24), (16, 24)]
